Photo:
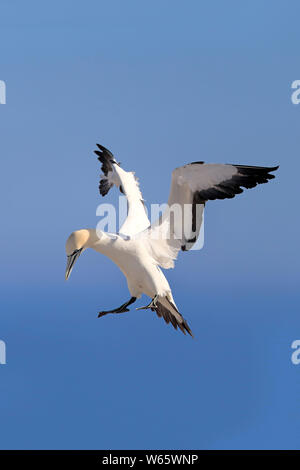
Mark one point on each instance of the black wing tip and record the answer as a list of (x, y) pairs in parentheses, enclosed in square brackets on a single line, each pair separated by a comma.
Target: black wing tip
[(253, 169), (105, 150), (107, 159), (104, 154), (99, 154), (104, 186), (256, 174), (247, 176)]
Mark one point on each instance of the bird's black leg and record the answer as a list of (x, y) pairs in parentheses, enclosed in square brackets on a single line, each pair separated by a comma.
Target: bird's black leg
[(121, 309), (152, 304)]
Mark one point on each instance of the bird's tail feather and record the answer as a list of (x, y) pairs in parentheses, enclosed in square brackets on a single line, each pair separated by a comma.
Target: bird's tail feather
[(168, 311)]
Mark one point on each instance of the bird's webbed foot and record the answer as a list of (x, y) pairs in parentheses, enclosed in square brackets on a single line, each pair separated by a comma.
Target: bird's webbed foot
[(152, 305), (116, 310), (122, 309)]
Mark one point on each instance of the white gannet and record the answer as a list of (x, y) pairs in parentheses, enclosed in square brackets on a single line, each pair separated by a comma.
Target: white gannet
[(140, 249)]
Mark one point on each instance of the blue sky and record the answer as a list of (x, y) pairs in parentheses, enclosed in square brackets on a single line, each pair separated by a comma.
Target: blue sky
[(160, 83)]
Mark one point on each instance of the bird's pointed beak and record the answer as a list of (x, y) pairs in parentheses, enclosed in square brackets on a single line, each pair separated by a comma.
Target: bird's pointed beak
[(71, 261)]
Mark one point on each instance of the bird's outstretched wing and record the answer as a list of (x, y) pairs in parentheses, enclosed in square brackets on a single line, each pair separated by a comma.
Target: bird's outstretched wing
[(137, 219), (192, 185)]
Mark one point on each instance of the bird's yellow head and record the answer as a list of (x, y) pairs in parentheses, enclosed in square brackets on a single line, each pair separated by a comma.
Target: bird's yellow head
[(76, 243)]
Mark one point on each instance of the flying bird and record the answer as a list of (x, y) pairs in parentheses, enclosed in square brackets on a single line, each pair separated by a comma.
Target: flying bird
[(140, 249)]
